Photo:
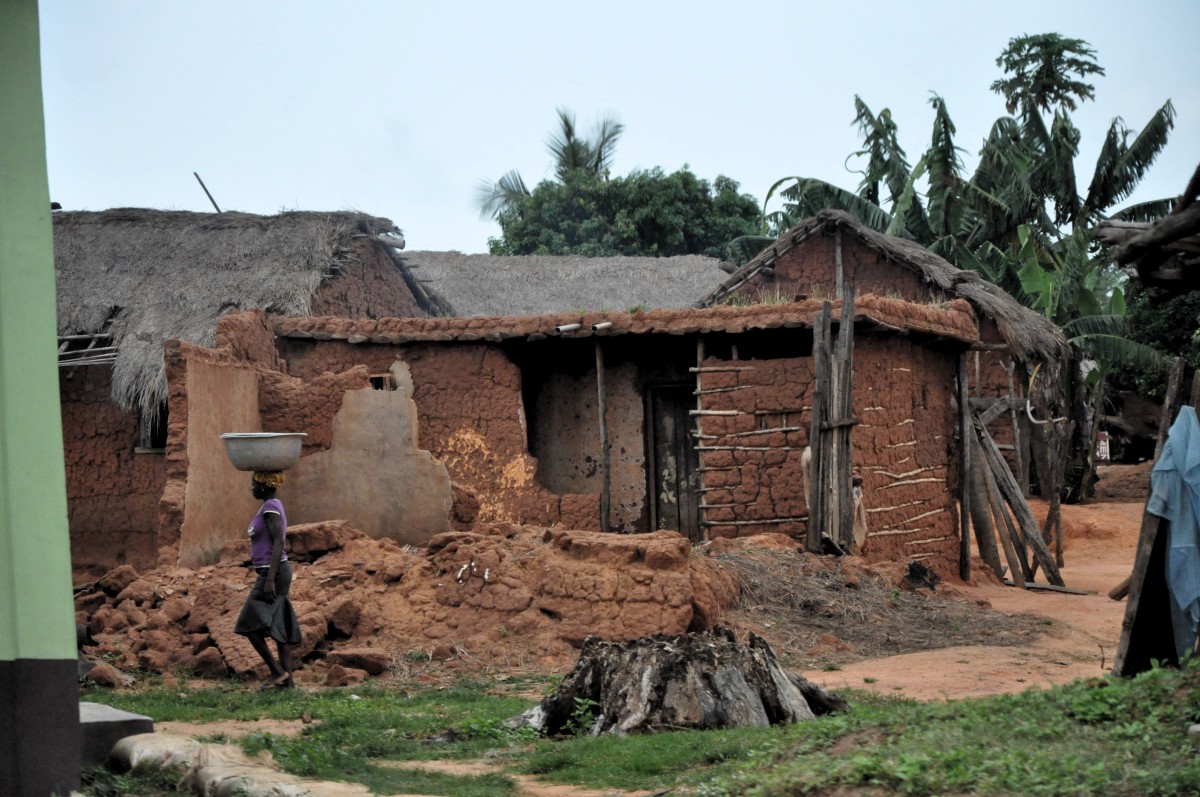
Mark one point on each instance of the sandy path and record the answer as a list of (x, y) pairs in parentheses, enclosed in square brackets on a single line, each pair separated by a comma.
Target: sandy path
[(1100, 543)]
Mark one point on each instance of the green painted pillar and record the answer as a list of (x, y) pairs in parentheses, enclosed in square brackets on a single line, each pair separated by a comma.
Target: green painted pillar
[(39, 692)]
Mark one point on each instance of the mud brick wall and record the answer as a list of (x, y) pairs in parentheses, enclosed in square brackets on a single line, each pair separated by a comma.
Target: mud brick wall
[(369, 286), (750, 462), (470, 415), (904, 448), (112, 491), (810, 270)]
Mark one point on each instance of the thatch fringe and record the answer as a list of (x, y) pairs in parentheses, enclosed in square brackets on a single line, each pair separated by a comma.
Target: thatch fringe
[(1031, 336), (145, 276)]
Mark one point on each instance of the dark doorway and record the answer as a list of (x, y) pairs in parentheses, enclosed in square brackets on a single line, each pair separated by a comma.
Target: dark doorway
[(672, 460)]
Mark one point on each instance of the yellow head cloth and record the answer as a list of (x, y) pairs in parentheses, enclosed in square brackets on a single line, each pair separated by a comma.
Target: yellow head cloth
[(269, 478)]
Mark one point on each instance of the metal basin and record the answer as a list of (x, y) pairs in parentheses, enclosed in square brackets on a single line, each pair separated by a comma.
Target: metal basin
[(263, 450)]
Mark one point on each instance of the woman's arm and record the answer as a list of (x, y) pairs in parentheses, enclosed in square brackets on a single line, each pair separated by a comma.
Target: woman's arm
[(275, 529)]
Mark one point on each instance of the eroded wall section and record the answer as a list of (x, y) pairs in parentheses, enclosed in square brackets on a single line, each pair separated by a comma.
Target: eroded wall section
[(373, 473), (217, 507)]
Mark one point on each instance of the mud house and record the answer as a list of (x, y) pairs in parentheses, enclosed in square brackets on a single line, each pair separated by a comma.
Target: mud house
[(692, 420), (822, 254), (581, 414), (128, 279)]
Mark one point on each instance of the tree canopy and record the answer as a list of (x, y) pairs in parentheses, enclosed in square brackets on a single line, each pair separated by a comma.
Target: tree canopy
[(646, 213), (571, 152)]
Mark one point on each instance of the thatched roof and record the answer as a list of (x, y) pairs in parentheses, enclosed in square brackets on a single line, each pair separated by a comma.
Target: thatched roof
[(144, 276), (1166, 252), (487, 285), (1030, 335)]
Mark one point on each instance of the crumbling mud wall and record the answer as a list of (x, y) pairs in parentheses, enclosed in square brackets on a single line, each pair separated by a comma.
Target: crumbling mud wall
[(904, 448), (112, 489), (373, 471), (368, 286), (501, 595), (470, 417), (221, 396)]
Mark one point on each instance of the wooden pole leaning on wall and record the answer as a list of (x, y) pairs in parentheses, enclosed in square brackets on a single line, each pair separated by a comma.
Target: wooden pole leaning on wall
[(605, 469), (1011, 492), (820, 413), (843, 369), (966, 432)]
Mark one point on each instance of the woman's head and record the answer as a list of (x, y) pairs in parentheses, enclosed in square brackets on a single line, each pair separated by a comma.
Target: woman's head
[(264, 483)]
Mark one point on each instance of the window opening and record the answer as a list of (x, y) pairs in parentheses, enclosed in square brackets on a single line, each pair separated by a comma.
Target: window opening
[(383, 382)]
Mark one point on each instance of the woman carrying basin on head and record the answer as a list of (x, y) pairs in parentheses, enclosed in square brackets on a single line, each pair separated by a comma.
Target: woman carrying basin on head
[(268, 611)]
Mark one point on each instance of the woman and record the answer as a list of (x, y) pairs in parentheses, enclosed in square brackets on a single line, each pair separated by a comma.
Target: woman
[(268, 610)]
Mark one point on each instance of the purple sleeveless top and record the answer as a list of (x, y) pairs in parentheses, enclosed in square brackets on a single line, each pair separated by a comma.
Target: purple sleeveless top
[(260, 538)]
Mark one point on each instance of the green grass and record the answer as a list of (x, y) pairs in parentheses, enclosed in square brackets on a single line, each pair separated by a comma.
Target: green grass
[(1097, 737)]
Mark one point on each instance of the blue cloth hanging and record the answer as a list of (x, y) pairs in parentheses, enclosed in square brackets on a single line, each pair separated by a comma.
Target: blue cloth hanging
[(1175, 495)]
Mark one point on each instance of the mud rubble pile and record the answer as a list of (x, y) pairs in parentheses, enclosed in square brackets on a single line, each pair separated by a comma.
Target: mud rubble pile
[(499, 595)]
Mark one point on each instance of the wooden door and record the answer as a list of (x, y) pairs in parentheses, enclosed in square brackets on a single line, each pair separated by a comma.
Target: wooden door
[(672, 461)]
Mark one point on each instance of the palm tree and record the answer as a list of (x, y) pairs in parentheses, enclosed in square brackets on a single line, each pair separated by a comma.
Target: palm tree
[(570, 151)]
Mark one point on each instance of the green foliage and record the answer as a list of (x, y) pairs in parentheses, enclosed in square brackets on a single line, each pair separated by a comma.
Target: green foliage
[(1102, 736), (101, 782), (582, 717), (1045, 71), (570, 151), (1170, 326), (647, 213)]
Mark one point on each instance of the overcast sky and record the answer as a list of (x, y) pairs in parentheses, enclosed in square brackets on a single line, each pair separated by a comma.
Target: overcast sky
[(400, 109)]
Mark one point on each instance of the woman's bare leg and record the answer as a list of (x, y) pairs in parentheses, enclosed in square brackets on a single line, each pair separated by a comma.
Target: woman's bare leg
[(259, 642)]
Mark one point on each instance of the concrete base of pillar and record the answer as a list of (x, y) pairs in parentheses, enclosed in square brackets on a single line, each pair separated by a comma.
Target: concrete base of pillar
[(101, 727)]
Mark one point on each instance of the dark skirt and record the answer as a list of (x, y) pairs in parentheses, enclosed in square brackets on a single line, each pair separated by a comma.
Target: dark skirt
[(276, 618)]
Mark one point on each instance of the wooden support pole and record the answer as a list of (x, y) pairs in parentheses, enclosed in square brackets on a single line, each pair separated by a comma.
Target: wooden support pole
[(839, 268), (820, 410), (844, 423), (966, 434), (605, 465), (1145, 634)]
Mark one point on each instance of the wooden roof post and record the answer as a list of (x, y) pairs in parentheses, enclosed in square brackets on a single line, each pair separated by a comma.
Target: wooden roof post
[(966, 433), (605, 471)]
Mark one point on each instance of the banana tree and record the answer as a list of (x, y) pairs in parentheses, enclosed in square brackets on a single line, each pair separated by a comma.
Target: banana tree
[(1082, 293)]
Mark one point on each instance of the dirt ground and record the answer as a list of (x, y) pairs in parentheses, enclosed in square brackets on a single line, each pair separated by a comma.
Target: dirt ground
[(1100, 541), (1012, 639)]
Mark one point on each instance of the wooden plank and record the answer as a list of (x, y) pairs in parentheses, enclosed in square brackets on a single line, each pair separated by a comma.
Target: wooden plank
[(980, 510), (1014, 549), (820, 411), (1053, 588), (1024, 516), (965, 436), (605, 465), (840, 424), (712, 369), (845, 423), (1146, 631)]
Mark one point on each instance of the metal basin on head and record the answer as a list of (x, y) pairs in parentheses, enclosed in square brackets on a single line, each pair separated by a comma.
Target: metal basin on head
[(263, 450)]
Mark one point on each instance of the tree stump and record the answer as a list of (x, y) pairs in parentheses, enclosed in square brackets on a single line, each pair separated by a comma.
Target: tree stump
[(692, 681)]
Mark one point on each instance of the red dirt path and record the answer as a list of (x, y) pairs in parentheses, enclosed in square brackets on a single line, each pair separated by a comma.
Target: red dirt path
[(1100, 540)]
